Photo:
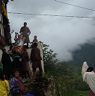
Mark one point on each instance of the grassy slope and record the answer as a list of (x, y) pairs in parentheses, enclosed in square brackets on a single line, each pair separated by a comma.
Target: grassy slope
[(81, 93), (67, 80)]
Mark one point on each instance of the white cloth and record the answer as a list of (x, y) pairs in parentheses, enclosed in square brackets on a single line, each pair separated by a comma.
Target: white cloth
[(40, 46), (88, 77), (21, 43), (84, 68), (90, 80), (7, 48)]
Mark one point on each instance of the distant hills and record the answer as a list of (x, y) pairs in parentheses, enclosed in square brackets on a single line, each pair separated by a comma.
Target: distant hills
[(86, 53)]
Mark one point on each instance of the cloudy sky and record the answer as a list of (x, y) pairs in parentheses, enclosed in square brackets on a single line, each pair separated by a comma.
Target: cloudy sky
[(63, 34)]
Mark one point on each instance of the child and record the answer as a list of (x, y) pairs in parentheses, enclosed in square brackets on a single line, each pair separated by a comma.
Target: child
[(17, 85), (4, 85)]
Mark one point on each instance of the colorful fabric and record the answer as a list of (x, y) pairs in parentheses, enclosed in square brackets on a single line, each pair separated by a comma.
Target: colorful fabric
[(16, 86), (4, 88)]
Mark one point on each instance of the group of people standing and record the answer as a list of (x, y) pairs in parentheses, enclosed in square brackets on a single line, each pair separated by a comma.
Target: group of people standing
[(13, 87), (15, 61), (14, 64)]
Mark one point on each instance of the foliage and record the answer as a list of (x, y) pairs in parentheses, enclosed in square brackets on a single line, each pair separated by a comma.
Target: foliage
[(38, 87), (49, 56), (67, 79)]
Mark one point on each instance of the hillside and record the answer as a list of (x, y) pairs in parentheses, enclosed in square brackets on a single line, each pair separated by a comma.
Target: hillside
[(86, 53)]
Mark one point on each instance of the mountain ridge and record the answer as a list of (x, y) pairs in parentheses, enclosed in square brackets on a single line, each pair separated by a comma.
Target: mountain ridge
[(86, 53)]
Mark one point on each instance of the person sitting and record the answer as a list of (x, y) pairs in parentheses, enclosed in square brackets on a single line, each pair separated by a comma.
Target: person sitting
[(4, 85)]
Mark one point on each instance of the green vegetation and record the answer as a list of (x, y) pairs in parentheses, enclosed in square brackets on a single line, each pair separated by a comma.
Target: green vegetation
[(67, 80)]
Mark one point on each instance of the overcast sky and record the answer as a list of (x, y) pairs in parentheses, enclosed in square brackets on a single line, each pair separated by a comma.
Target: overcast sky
[(64, 35)]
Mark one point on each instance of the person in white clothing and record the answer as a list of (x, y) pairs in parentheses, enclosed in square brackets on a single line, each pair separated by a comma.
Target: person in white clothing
[(89, 77)]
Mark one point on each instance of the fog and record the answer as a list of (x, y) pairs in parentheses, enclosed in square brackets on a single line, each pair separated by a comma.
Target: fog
[(63, 34)]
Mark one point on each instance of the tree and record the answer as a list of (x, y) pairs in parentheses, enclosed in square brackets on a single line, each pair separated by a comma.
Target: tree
[(49, 56)]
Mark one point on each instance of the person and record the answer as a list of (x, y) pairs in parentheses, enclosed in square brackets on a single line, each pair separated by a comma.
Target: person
[(17, 61), (2, 44), (35, 58), (35, 40), (17, 87), (2, 41), (89, 77), (25, 31), (4, 85), (25, 63), (16, 38), (7, 63), (20, 44)]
